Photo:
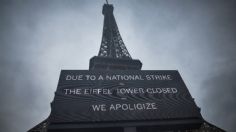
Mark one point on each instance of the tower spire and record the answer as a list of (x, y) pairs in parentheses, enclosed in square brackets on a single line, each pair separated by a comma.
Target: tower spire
[(112, 45)]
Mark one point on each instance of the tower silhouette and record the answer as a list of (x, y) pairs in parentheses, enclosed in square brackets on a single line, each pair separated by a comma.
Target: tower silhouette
[(113, 55)]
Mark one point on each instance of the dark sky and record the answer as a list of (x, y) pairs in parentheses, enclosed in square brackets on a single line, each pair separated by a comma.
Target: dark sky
[(38, 38)]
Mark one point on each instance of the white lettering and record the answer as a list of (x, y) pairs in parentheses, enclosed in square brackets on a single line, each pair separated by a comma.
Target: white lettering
[(101, 107)]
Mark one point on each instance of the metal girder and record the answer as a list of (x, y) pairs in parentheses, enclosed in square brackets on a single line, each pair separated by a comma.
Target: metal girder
[(112, 44)]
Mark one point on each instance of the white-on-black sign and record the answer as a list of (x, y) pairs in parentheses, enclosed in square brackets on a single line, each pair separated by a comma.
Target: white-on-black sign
[(96, 96)]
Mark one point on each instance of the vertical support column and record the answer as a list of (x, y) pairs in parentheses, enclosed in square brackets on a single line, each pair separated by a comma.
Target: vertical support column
[(130, 129)]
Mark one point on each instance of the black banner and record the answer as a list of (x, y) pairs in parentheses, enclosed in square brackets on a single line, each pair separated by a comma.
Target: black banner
[(96, 96)]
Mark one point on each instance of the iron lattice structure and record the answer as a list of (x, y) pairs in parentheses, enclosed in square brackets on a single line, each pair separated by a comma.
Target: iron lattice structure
[(112, 44), (41, 127), (114, 53)]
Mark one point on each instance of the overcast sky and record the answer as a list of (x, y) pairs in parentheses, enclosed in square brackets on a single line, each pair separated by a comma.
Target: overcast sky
[(39, 38)]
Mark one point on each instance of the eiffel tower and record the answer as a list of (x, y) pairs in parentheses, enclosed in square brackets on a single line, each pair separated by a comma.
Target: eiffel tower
[(113, 55)]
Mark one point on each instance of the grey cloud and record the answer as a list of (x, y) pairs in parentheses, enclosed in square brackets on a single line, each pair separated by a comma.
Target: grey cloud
[(39, 38)]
